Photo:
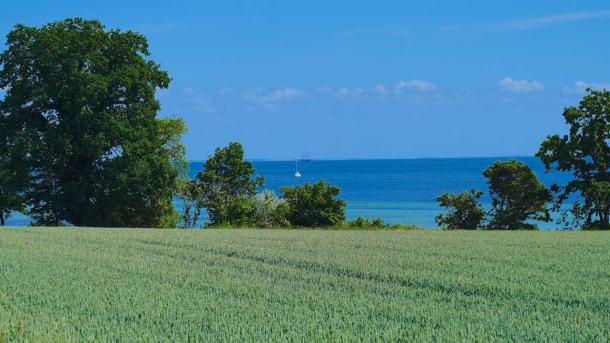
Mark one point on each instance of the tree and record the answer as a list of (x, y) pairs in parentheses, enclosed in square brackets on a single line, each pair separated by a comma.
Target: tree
[(227, 186), (584, 152), (314, 205), (465, 211), (516, 196), (13, 173), (190, 194), (81, 102)]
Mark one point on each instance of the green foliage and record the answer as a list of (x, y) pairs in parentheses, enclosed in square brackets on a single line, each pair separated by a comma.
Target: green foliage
[(75, 285), (516, 196), (13, 173), (227, 186), (81, 109), (190, 194), (366, 223), (464, 210), (403, 227), (363, 223), (314, 205), (270, 211), (585, 152)]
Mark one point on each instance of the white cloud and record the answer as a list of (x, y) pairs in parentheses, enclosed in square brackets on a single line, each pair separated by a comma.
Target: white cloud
[(342, 92), (543, 21), (283, 94), (324, 89), (270, 98), (580, 87), (418, 85), (349, 91), (225, 91), (519, 86), (380, 89)]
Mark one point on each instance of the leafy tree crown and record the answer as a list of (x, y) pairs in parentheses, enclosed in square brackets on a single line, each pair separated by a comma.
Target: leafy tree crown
[(516, 196), (585, 153)]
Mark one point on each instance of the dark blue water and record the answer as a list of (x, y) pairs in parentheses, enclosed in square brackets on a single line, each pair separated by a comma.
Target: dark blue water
[(402, 191)]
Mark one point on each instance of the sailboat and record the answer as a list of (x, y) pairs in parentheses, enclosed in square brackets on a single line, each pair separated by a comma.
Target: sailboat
[(296, 169)]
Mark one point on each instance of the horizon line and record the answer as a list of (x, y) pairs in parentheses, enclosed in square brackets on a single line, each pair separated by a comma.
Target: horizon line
[(377, 159)]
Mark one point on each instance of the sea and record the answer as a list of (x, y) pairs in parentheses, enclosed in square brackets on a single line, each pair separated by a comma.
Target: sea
[(395, 190)]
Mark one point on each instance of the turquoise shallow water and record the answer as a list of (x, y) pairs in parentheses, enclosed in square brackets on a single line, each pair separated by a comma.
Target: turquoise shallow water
[(396, 190)]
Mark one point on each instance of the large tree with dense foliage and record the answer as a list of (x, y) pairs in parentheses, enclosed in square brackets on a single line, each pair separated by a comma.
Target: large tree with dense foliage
[(80, 105), (13, 173), (516, 196), (314, 205), (584, 152), (464, 210), (227, 186)]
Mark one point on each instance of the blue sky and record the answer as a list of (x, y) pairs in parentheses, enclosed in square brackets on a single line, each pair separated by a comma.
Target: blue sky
[(362, 79)]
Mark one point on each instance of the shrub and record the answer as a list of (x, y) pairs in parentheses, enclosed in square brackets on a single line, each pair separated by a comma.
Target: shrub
[(464, 210), (314, 205), (366, 223), (399, 226), (363, 223), (516, 196), (269, 210)]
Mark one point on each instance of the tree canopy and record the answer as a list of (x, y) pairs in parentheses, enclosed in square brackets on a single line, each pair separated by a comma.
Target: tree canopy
[(465, 211), (227, 186), (80, 109), (584, 152), (13, 173), (314, 205), (516, 196)]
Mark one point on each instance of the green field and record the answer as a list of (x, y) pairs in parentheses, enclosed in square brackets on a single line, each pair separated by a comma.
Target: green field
[(303, 285)]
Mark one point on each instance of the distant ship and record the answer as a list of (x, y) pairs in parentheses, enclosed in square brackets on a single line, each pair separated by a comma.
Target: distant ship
[(305, 157)]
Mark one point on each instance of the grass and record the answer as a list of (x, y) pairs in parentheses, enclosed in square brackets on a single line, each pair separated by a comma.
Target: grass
[(299, 285)]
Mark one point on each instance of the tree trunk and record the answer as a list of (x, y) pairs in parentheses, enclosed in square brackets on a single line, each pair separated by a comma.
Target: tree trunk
[(604, 220), (1, 218)]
